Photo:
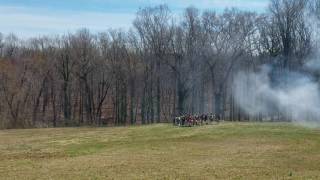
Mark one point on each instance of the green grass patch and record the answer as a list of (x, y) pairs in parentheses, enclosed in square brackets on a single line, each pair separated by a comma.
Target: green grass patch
[(85, 148), (163, 151)]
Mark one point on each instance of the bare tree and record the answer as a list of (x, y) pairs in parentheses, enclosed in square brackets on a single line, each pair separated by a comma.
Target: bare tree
[(153, 26), (65, 69), (288, 18)]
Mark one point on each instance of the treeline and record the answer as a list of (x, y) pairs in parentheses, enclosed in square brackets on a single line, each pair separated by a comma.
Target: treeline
[(164, 66)]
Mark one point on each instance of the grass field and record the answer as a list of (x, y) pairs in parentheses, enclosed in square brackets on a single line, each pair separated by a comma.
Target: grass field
[(224, 151)]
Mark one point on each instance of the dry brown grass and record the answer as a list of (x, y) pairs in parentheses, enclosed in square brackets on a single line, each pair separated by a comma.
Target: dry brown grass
[(225, 151)]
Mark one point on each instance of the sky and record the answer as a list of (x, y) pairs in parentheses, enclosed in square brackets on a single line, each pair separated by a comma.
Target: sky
[(32, 18)]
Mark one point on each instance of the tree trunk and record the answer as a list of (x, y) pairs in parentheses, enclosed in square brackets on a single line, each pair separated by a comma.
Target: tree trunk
[(132, 101), (66, 103), (53, 98)]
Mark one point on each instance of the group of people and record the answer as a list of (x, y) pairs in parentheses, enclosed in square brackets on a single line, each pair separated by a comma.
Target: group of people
[(193, 120)]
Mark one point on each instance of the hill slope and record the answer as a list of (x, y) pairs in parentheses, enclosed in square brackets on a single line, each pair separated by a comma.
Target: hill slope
[(229, 150)]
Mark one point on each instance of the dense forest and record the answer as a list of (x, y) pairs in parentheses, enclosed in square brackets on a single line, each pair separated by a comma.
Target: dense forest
[(164, 66)]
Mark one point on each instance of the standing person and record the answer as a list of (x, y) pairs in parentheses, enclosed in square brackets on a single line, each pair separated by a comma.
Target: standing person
[(183, 119), (211, 117), (205, 118)]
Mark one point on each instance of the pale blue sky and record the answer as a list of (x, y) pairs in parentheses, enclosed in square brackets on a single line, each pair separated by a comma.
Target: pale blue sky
[(28, 18)]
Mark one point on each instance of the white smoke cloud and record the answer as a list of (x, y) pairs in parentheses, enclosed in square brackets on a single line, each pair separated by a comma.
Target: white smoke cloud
[(297, 97)]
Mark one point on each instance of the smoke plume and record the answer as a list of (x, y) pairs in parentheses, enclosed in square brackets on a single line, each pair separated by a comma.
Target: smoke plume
[(293, 96)]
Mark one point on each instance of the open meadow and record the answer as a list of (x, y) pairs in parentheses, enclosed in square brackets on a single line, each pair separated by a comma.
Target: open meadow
[(162, 151)]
